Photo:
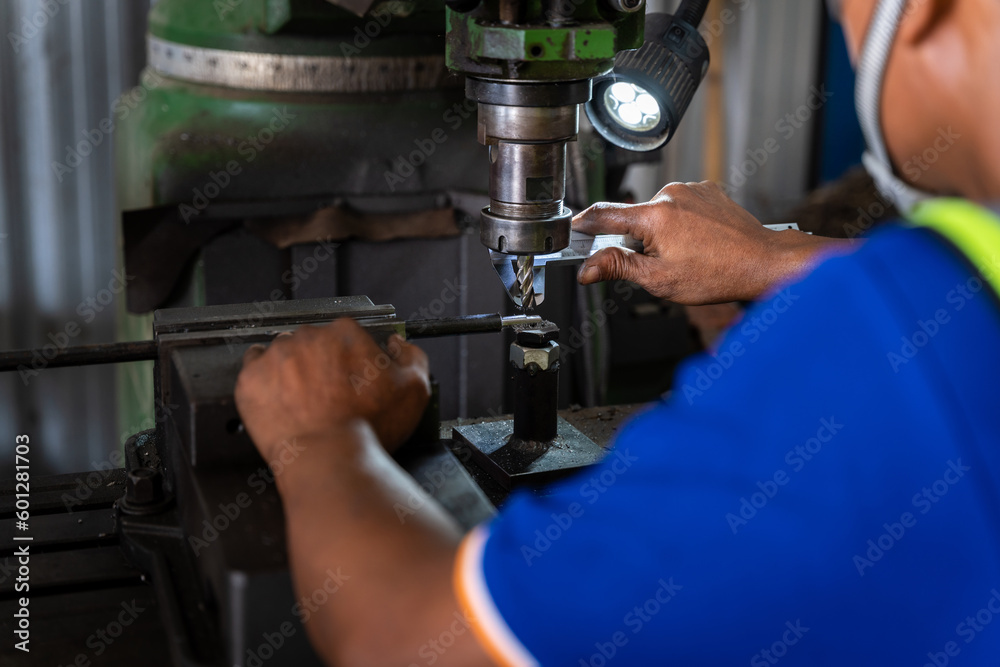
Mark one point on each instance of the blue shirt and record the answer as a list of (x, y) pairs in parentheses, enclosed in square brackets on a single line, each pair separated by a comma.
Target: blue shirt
[(824, 490)]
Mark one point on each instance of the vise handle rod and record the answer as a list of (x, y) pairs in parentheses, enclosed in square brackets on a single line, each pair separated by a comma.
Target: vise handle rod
[(52, 356)]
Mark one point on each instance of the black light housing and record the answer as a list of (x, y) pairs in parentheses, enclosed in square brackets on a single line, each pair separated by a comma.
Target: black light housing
[(640, 103)]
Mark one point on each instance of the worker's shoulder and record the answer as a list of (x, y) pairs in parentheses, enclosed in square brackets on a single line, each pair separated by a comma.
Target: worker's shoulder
[(902, 249), (919, 274)]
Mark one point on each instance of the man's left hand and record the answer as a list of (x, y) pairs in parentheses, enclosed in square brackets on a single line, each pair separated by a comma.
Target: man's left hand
[(320, 379)]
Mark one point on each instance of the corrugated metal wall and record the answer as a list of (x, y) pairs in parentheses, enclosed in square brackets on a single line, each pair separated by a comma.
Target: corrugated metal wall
[(771, 71), (769, 52), (63, 63)]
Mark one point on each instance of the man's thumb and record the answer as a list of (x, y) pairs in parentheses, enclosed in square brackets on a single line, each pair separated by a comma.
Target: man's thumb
[(611, 264)]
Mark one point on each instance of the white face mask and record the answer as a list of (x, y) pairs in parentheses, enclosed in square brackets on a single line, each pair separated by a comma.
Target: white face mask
[(868, 100)]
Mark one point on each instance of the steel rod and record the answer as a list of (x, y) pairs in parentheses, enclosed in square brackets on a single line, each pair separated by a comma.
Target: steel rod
[(117, 353), (80, 355)]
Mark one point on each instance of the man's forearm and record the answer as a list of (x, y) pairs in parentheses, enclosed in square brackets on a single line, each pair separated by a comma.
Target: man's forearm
[(796, 253), (340, 499)]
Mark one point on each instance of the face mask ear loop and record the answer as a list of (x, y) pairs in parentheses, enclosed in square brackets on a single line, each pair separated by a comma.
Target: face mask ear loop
[(868, 97)]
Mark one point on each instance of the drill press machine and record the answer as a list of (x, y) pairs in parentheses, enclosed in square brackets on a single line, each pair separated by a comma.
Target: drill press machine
[(529, 64)]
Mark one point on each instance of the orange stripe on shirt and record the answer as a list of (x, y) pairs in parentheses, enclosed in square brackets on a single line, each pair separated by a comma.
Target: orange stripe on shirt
[(488, 626)]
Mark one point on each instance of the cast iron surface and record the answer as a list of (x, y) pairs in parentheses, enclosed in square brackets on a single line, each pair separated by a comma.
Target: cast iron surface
[(488, 445)]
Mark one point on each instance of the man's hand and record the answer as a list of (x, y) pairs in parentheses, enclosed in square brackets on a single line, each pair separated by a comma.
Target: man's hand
[(317, 380), (347, 400), (700, 247)]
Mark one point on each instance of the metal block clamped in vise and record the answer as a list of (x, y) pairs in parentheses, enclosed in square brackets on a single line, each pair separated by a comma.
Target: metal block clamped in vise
[(538, 445)]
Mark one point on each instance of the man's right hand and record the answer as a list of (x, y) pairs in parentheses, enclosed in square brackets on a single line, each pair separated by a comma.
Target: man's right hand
[(700, 247)]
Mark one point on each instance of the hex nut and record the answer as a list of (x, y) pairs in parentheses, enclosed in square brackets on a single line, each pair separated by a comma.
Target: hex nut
[(544, 357), (144, 486)]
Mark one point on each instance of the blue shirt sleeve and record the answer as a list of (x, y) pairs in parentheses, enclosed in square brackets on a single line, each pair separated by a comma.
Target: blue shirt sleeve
[(822, 491)]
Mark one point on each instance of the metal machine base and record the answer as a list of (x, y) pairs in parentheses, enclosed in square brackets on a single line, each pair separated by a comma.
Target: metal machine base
[(488, 446)]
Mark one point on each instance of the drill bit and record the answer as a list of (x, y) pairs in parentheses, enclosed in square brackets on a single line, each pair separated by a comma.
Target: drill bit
[(526, 280)]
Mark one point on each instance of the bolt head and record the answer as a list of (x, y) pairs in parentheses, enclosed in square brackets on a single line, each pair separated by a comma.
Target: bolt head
[(544, 357), (537, 336)]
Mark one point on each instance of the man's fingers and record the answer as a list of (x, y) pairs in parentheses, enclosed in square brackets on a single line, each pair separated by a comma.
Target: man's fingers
[(613, 264), (408, 355), (253, 352), (609, 218)]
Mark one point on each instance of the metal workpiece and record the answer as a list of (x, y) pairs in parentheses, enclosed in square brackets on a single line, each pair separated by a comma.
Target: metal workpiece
[(543, 358), (537, 446), (579, 248), (534, 356), (536, 393)]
